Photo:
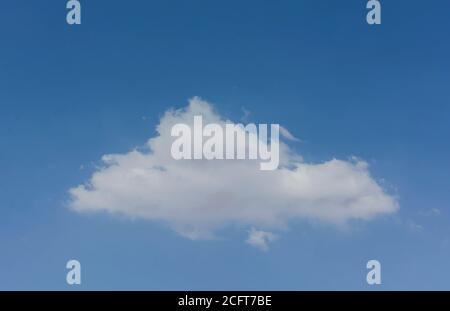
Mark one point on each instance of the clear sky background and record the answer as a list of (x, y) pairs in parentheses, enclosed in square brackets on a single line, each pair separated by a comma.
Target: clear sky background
[(70, 94)]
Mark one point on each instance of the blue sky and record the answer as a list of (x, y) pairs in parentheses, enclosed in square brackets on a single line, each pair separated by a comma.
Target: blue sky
[(70, 94)]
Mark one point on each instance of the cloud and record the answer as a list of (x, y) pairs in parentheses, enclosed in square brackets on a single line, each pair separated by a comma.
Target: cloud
[(286, 134), (435, 211), (198, 197), (260, 239), (412, 225), (430, 212)]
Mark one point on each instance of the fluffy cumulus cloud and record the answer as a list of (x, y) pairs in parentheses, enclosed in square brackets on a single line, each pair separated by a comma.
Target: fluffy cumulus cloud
[(198, 197)]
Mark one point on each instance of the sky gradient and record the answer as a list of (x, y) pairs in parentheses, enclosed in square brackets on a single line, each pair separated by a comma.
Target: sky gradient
[(71, 94)]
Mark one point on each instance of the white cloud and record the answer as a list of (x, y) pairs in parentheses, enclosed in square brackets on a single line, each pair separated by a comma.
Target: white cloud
[(286, 134), (430, 212), (197, 197), (435, 211), (260, 239)]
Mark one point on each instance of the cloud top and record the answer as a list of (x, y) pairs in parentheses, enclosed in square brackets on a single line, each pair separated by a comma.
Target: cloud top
[(198, 197)]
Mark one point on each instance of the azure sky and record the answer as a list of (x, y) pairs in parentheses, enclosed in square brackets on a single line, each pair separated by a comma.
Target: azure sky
[(365, 109)]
